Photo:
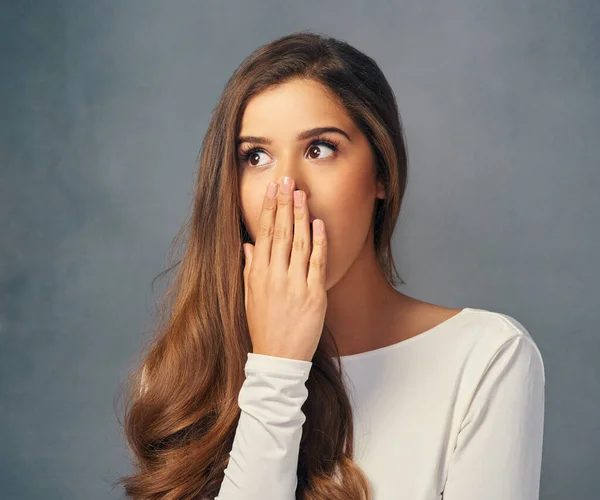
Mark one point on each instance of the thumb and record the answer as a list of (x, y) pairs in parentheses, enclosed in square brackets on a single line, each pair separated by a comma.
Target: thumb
[(248, 253), (248, 249)]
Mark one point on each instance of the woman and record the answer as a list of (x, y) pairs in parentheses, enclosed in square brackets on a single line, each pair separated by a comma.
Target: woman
[(295, 369)]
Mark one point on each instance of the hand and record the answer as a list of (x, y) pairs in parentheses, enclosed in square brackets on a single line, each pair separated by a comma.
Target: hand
[(285, 296)]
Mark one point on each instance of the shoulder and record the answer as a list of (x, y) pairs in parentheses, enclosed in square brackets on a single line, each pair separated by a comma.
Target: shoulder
[(495, 328), (493, 337)]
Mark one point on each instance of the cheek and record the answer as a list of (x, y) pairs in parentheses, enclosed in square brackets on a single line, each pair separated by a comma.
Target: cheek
[(349, 205), (252, 224), (251, 209), (347, 224), (349, 221)]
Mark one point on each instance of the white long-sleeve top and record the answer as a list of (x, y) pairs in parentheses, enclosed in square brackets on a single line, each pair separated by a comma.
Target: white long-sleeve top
[(454, 413)]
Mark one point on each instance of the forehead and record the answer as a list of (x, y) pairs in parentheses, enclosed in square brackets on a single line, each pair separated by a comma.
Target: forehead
[(293, 106)]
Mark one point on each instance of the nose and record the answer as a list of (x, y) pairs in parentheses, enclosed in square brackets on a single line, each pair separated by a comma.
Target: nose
[(298, 185)]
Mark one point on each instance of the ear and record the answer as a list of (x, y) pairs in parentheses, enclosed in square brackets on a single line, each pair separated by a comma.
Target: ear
[(380, 190)]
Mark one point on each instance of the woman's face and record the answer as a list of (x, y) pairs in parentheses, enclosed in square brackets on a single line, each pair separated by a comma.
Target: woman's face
[(340, 184)]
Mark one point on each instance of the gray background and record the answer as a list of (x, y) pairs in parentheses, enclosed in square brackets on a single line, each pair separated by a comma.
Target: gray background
[(104, 105)]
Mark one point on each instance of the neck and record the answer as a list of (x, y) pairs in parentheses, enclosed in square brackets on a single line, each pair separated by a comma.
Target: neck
[(363, 309)]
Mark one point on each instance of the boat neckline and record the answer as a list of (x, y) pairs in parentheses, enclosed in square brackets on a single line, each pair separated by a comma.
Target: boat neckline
[(408, 341)]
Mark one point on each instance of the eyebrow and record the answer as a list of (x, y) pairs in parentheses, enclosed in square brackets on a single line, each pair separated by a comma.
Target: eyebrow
[(300, 137)]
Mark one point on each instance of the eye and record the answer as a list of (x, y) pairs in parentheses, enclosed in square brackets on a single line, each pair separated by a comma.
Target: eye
[(252, 153), (315, 147)]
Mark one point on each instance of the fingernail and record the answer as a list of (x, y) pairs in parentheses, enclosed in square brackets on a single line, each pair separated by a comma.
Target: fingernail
[(298, 198), (286, 185), (318, 227), (272, 190)]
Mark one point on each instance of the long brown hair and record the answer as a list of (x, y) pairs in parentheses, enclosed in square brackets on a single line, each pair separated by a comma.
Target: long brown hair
[(181, 419)]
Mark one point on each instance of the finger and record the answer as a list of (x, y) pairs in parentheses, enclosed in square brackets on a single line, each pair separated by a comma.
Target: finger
[(301, 241), (283, 229), (247, 264), (247, 248), (245, 273), (266, 222), (317, 265)]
